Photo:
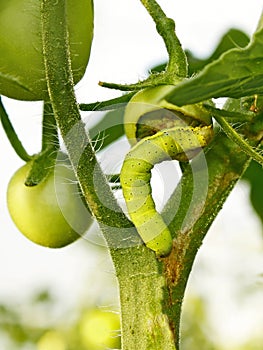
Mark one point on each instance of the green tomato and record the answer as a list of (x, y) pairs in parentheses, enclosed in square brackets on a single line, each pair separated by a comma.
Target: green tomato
[(148, 112), (22, 74), (52, 213), (100, 329)]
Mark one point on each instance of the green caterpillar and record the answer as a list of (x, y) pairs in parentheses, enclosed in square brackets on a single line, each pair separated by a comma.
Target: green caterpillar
[(181, 142)]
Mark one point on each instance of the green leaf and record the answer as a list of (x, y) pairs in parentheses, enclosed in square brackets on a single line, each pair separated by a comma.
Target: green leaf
[(254, 176), (233, 38), (236, 73)]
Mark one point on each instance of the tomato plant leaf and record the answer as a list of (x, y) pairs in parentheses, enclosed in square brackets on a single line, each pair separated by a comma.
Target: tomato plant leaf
[(236, 73), (254, 176), (233, 38), (6, 79)]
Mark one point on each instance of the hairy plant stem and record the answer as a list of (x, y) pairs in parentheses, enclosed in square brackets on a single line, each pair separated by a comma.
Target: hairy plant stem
[(136, 267), (177, 62), (235, 137), (43, 162), (106, 105), (62, 97), (223, 117), (49, 129), (12, 135)]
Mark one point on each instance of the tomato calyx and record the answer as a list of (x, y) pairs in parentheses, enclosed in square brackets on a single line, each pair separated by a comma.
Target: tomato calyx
[(41, 166)]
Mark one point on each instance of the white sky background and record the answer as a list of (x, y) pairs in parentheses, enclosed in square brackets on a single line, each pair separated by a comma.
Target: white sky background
[(125, 46)]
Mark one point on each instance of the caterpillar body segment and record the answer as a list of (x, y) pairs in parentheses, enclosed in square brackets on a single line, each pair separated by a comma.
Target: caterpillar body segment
[(180, 143)]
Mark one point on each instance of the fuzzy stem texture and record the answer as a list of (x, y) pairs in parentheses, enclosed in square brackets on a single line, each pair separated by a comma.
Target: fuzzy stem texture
[(177, 62)]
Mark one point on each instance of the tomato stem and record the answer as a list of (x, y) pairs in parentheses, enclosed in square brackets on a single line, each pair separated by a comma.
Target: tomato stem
[(230, 115), (49, 129), (177, 63), (41, 166), (156, 79), (220, 116), (44, 162), (235, 137), (12, 135), (78, 144), (106, 105)]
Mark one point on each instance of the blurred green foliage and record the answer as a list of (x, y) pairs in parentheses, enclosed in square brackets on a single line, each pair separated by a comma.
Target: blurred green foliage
[(32, 326), (196, 333), (22, 328)]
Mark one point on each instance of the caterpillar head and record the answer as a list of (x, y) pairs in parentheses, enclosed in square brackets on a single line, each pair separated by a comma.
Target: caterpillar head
[(148, 112)]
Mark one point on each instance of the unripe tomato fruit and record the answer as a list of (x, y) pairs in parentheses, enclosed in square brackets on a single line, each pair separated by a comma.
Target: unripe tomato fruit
[(22, 74), (100, 329), (52, 213), (151, 100)]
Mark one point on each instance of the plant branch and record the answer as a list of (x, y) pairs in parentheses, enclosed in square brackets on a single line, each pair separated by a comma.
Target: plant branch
[(61, 91), (235, 137), (157, 79), (12, 136), (233, 116), (44, 162), (177, 62), (106, 105), (49, 129)]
